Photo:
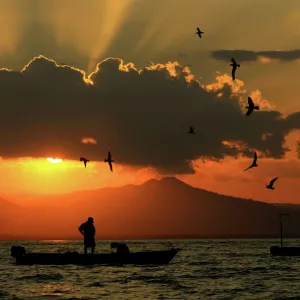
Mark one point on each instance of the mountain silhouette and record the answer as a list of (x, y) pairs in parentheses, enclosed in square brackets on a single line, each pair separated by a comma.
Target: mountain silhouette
[(9, 216), (165, 208)]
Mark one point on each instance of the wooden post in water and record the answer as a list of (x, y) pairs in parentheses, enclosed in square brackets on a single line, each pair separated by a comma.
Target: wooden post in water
[(280, 224)]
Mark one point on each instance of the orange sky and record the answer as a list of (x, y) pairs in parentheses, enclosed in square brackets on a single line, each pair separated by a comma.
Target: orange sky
[(36, 176), (156, 36)]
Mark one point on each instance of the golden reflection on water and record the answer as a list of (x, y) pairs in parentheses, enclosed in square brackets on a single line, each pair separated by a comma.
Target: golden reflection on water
[(56, 289), (53, 241)]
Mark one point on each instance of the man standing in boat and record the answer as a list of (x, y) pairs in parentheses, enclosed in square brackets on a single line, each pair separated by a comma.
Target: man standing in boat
[(87, 229)]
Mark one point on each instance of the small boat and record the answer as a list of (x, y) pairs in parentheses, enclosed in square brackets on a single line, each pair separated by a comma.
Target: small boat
[(285, 251), (161, 257), (280, 250)]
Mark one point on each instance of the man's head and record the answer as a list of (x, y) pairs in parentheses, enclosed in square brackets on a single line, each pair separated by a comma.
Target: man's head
[(90, 220)]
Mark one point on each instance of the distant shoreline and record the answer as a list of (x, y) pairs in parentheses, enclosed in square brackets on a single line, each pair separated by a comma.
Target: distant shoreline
[(167, 237)]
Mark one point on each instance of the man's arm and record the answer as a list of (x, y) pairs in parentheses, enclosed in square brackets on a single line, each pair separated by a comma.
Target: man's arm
[(81, 229)]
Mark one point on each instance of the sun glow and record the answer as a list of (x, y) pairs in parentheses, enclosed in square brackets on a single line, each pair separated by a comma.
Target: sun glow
[(54, 160)]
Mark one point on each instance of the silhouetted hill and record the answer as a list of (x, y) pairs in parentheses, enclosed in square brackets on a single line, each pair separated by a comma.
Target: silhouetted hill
[(157, 208), (288, 207), (9, 216)]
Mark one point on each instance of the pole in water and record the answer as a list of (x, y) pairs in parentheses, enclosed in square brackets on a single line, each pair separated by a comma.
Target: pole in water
[(280, 224)]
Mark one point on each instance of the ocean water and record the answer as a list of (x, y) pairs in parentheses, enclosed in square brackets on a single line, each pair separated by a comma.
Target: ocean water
[(204, 269)]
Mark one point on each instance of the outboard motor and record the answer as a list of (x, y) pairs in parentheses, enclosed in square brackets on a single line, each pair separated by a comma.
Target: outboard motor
[(121, 248), (17, 251)]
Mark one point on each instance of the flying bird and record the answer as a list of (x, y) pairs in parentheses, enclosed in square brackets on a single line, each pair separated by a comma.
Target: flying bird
[(192, 130), (270, 185), (109, 161), (199, 32), (84, 161), (254, 164), (251, 107), (234, 65)]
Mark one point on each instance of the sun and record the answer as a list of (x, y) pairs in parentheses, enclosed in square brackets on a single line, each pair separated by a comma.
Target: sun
[(54, 160)]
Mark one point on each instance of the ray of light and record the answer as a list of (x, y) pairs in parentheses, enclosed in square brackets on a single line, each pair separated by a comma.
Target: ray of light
[(113, 18)]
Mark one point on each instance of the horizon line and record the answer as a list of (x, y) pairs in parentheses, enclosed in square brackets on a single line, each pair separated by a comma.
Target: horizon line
[(7, 238)]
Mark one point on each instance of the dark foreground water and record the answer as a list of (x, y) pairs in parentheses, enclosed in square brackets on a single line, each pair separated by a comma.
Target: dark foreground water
[(205, 269)]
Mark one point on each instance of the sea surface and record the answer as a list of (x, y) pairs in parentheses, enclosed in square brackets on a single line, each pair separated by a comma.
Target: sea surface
[(204, 269)]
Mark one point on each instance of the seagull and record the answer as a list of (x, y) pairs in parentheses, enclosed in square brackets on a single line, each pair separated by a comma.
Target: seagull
[(192, 130), (254, 164), (251, 107), (270, 185), (199, 32), (234, 66), (84, 161), (109, 161)]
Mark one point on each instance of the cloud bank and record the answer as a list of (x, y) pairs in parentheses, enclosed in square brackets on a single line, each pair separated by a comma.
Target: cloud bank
[(248, 55), (141, 116)]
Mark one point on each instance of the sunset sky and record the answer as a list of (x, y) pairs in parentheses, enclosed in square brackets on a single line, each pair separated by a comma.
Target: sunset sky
[(117, 92)]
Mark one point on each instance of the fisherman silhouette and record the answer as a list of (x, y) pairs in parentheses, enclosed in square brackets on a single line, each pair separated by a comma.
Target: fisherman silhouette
[(87, 229), (199, 32), (251, 107), (234, 65)]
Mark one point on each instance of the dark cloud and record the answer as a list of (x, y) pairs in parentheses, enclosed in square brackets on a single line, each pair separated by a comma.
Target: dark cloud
[(141, 116), (247, 55)]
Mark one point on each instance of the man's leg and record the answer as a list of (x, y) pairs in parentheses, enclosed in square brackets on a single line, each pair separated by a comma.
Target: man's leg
[(93, 250), (85, 250)]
